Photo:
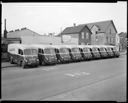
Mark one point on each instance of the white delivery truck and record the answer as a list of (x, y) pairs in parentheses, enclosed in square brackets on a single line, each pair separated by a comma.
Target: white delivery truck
[(23, 55)]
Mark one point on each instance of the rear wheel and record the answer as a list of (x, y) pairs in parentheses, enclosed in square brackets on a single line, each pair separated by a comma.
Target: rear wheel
[(11, 60)]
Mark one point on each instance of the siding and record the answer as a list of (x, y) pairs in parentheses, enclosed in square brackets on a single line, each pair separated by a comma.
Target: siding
[(110, 28), (72, 35), (85, 40), (101, 39), (18, 34)]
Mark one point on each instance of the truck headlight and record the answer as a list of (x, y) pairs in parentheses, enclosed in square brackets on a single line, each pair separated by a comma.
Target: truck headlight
[(46, 58), (25, 60), (37, 60)]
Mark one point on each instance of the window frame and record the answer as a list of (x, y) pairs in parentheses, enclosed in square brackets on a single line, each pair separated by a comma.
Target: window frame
[(82, 35), (87, 35)]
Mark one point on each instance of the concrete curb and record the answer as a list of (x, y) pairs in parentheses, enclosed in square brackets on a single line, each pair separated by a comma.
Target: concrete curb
[(6, 64), (123, 53)]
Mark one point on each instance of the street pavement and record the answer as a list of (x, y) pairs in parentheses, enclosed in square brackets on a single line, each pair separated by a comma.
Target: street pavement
[(89, 80)]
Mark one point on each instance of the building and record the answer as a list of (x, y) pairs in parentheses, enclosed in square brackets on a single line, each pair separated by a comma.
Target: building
[(98, 33), (28, 36), (117, 44), (103, 32), (25, 36), (123, 41), (76, 35)]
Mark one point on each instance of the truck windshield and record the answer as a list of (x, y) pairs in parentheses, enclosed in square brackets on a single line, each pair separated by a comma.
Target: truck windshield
[(30, 52), (76, 50), (114, 49), (102, 49), (86, 50), (95, 49), (64, 50), (49, 51), (109, 49)]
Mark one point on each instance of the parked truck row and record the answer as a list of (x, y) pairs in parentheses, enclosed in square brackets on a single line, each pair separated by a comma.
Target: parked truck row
[(37, 54)]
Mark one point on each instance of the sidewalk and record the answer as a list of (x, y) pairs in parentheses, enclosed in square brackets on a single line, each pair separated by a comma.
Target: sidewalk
[(6, 64), (123, 53)]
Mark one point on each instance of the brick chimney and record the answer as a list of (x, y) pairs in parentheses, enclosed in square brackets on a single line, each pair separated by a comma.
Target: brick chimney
[(5, 31), (74, 24)]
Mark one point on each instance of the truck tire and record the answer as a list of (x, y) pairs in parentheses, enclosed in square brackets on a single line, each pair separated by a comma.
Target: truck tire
[(11, 60), (20, 63), (23, 64)]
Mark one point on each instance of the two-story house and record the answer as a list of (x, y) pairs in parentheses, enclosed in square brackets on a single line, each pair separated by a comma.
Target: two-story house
[(98, 33), (103, 33), (77, 34)]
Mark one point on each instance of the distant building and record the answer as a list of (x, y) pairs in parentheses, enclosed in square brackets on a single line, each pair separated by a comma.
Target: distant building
[(77, 35), (123, 41), (28, 36), (117, 44)]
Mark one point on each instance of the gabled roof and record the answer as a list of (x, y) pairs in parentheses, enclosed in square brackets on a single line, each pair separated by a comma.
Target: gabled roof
[(74, 29), (22, 32), (123, 34), (103, 25)]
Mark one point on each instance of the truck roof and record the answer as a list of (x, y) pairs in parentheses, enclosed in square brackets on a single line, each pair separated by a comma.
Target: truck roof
[(42, 46), (21, 46)]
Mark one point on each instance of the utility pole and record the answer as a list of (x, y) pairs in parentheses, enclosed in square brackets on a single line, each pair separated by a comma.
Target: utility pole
[(5, 31)]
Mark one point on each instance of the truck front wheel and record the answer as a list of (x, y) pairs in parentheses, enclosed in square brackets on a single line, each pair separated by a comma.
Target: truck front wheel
[(23, 64)]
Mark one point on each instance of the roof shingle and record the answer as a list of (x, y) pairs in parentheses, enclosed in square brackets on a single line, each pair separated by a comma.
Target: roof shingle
[(102, 25), (23, 32), (75, 29)]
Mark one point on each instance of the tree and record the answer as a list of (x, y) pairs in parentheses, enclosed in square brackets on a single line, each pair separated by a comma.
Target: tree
[(123, 40)]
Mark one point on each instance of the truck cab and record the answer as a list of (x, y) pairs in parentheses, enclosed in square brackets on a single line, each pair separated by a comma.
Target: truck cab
[(75, 53), (46, 54), (62, 54), (85, 51), (23, 55)]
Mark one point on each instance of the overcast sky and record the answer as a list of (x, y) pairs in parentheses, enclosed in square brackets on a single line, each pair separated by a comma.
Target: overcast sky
[(52, 17)]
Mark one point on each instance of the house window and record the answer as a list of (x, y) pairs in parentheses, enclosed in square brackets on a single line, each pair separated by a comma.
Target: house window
[(110, 31), (87, 36), (96, 38), (107, 39), (110, 39), (82, 35), (113, 40), (20, 51)]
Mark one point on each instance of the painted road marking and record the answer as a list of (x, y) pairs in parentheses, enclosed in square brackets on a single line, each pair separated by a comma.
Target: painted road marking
[(48, 69), (68, 74), (77, 74)]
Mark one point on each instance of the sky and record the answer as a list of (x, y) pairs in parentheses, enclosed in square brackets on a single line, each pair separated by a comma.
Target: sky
[(45, 18)]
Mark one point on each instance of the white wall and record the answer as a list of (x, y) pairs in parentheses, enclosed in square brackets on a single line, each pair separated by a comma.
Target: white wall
[(68, 39), (40, 40)]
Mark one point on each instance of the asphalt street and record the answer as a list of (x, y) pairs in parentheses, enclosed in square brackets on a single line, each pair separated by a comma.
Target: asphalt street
[(89, 80)]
